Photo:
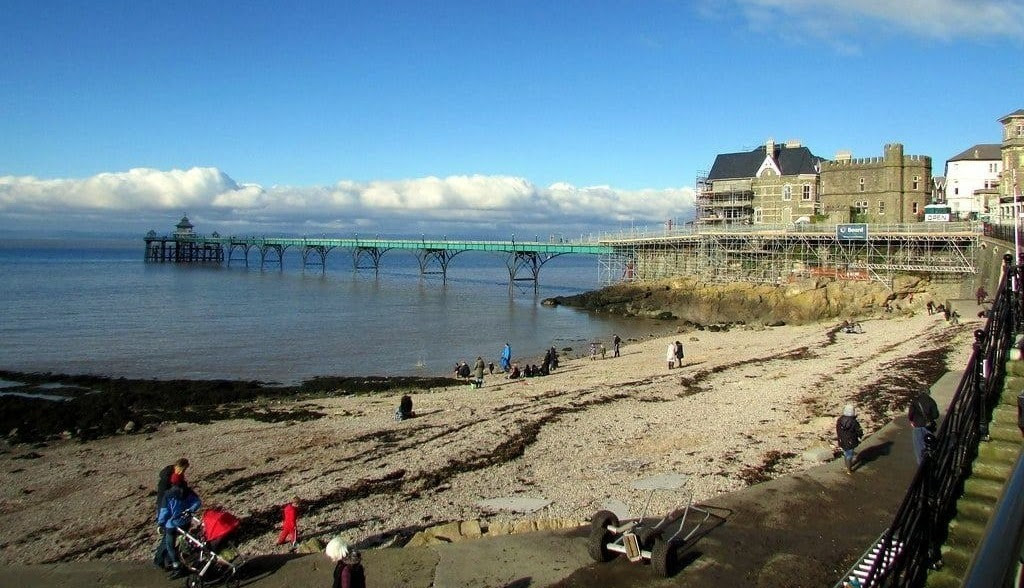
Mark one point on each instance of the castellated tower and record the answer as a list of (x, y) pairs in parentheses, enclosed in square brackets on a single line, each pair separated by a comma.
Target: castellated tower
[(890, 189)]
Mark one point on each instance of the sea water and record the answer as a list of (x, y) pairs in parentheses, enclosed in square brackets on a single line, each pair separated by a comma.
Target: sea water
[(95, 307)]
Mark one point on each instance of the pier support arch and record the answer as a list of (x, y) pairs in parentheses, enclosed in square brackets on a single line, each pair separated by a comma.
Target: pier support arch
[(369, 258), (277, 250), (440, 257), (243, 247), (532, 261), (319, 258)]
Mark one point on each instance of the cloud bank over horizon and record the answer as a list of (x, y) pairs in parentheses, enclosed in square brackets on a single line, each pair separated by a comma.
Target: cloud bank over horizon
[(141, 199)]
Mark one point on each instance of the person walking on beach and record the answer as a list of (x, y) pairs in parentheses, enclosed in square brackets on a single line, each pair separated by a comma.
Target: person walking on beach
[(478, 372), (679, 353), (593, 351), (290, 523), (923, 413), (670, 355), (175, 512), (506, 358), (849, 434), (616, 342), (169, 476)]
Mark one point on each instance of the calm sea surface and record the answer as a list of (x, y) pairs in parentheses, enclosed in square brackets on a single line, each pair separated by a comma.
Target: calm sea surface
[(96, 308)]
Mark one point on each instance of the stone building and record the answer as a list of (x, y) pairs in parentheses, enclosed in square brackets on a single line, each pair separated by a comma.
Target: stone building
[(893, 188), (773, 184), (1012, 177)]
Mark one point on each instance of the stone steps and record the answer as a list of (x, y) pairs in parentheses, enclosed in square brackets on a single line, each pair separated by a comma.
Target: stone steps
[(984, 488)]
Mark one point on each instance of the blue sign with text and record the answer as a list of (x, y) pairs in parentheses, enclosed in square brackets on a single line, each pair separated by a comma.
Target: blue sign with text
[(854, 232)]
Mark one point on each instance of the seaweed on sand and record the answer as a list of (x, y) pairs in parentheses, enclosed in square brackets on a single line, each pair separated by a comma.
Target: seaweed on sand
[(111, 403)]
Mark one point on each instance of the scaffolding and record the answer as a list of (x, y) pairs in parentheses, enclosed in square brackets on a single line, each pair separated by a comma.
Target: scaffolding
[(728, 206), (780, 254)]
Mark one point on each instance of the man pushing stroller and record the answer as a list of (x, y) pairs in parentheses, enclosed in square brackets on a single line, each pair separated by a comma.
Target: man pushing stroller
[(176, 508)]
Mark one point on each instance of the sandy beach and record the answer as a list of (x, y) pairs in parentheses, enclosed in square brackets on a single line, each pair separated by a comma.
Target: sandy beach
[(748, 404)]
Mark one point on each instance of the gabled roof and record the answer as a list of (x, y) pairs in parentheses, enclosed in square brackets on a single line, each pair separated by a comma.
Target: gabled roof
[(1013, 114), (980, 152), (791, 160)]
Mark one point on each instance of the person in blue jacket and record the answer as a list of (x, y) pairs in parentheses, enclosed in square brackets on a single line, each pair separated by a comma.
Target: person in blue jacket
[(179, 502), (506, 358)]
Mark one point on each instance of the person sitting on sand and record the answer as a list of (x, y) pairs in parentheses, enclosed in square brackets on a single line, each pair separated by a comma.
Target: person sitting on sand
[(404, 410), (514, 373)]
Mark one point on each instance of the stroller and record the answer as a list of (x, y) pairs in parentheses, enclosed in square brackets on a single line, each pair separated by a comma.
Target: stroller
[(208, 551)]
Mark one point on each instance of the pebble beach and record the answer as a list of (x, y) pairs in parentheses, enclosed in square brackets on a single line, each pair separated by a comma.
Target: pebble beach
[(748, 404)]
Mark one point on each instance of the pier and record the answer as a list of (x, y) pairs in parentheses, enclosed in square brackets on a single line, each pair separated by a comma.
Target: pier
[(751, 253), (523, 259)]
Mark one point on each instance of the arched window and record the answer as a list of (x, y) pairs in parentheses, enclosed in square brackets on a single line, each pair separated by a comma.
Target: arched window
[(787, 192)]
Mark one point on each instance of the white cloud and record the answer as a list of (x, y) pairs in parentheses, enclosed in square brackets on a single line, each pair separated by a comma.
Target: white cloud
[(473, 204), (840, 22)]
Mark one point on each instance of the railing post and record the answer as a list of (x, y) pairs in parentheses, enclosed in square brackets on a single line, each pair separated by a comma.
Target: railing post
[(981, 383), (1010, 270)]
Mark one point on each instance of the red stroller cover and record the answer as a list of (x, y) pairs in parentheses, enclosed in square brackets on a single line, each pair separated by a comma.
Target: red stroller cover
[(218, 523)]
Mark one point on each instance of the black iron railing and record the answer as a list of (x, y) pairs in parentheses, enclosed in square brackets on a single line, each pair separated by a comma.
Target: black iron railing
[(920, 525)]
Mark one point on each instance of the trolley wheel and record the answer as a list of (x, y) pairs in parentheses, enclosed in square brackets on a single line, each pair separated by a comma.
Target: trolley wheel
[(663, 557), (233, 581), (194, 581), (600, 536)]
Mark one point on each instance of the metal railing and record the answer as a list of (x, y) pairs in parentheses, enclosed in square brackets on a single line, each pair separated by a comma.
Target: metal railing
[(922, 520)]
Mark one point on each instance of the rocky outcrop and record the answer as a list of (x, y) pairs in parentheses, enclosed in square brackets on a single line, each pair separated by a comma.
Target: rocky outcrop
[(797, 302)]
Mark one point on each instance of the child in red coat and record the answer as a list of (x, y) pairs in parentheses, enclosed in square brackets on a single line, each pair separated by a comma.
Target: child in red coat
[(289, 525)]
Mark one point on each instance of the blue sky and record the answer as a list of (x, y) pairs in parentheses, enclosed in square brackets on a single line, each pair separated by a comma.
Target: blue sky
[(467, 117)]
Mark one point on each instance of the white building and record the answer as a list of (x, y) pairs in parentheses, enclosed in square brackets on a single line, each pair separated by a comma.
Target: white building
[(969, 176)]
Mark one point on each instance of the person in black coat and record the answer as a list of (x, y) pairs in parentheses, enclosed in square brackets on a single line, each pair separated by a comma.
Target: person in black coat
[(923, 413), (849, 433)]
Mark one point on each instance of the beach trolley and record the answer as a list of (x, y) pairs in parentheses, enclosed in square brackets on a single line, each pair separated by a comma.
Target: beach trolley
[(640, 538)]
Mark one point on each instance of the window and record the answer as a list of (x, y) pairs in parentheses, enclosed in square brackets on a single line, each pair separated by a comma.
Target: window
[(913, 207), (956, 191), (1020, 129), (993, 168), (862, 184), (861, 207), (881, 207), (917, 183), (807, 191), (787, 192)]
